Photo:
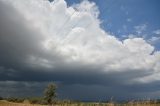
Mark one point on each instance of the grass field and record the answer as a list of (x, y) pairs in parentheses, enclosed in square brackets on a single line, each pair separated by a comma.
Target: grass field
[(6, 103)]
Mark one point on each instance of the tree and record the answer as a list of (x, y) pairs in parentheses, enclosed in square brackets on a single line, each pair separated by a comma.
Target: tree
[(50, 93)]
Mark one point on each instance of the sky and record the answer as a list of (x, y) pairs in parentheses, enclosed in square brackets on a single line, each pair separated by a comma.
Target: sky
[(93, 50)]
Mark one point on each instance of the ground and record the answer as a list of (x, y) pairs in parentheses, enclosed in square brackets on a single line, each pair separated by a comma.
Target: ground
[(6, 103)]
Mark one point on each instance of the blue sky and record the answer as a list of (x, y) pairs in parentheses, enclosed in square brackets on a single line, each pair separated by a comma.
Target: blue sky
[(120, 17)]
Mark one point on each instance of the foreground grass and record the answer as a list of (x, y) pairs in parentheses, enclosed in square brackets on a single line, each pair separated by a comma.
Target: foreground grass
[(6, 103)]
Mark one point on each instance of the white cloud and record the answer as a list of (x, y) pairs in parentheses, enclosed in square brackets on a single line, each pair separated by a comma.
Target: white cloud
[(154, 40), (129, 20), (157, 32), (140, 28), (75, 36)]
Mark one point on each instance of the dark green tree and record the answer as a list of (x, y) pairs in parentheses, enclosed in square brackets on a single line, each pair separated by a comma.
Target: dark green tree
[(50, 93)]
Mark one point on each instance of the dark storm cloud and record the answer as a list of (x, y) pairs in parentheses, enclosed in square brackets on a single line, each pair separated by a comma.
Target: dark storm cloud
[(70, 76), (17, 40), (81, 92), (26, 66)]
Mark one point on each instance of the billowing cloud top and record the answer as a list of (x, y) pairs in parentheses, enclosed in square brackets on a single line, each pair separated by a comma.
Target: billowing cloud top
[(43, 41)]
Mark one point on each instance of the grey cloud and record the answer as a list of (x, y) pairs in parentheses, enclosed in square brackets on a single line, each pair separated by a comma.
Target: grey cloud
[(80, 92)]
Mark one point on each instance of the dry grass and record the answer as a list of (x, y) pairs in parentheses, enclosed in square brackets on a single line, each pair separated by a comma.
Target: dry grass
[(6, 103)]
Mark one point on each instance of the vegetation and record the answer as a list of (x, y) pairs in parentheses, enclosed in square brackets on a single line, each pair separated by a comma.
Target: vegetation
[(13, 99), (36, 100), (144, 103), (50, 93), (1, 98)]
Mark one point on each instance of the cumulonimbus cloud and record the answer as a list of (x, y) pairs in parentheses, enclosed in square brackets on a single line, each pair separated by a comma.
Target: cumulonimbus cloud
[(72, 34)]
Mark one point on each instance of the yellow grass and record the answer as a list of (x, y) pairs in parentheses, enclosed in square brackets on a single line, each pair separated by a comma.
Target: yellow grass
[(6, 103)]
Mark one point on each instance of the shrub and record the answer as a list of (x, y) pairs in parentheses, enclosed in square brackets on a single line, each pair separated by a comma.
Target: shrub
[(1, 98), (13, 99), (50, 93)]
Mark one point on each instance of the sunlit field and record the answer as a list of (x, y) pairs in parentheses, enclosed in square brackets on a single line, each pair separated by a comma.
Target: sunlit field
[(6, 103)]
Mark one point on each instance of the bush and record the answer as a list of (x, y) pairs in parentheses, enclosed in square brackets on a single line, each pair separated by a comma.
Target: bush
[(1, 98), (36, 100), (17, 100)]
